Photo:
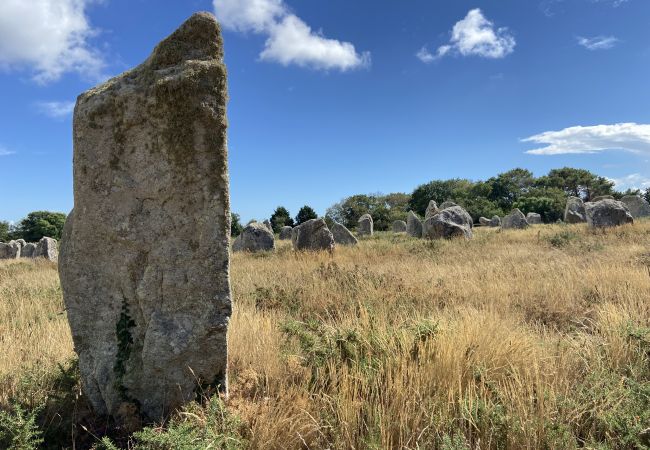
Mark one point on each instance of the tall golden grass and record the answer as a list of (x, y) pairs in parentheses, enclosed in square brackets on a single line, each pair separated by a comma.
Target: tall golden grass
[(516, 339)]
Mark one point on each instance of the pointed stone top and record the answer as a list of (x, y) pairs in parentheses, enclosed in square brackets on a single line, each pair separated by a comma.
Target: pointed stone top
[(199, 38)]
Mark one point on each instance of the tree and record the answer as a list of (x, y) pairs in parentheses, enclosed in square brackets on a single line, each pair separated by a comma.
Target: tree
[(281, 218), (577, 183), (306, 213), (235, 225), (384, 209), (507, 187), (4, 231), (549, 202), (440, 191), (39, 224), (646, 195)]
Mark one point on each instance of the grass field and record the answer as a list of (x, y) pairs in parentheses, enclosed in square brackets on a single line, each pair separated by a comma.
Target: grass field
[(535, 339)]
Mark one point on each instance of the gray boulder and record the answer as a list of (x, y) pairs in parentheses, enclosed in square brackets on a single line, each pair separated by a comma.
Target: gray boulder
[(601, 197), (10, 250), (495, 221), (484, 221), (343, 236), (575, 211), (312, 235), (399, 226), (450, 222), (255, 237), (447, 204), (413, 225), (144, 262), (607, 213), (365, 225), (46, 248), (267, 224), (285, 233), (432, 210), (515, 220), (28, 251), (637, 205), (533, 218)]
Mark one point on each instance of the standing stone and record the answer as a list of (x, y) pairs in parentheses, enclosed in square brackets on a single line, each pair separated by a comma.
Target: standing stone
[(637, 205), (484, 221), (447, 204), (515, 220), (495, 221), (9, 250), (607, 213), (285, 233), (432, 210), (255, 237), (144, 261), (342, 235), (413, 225), (399, 226), (312, 235), (601, 197), (46, 248), (450, 222), (365, 227), (28, 251), (575, 211), (533, 218), (267, 224)]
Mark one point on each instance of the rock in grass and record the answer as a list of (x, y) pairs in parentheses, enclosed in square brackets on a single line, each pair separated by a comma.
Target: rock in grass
[(285, 233), (267, 224), (533, 218), (399, 226), (575, 211), (432, 210), (607, 213), (515, 220), (447, 204), (28, 251), (495, 221), (255, 237), (312, 235), (450, 222), (46, 248), (413, 225), (637, 205), (365, 225), (343, 236), (9, 250), (144, 261)]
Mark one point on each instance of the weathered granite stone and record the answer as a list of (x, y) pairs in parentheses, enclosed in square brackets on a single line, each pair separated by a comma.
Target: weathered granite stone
[(46, 248), (399, 226), (144, 261), (601, 197), (637, 205), (28, 251), (285, 233), (515, 220), (432, 210), (21, 242), (413, 225), (312, 235), (450, 222), (447, 204), (343, 236), (255, 237), (484, 221), (9, 250), (575, 211), (365, 226), (267, 224), (607, 213), (533, 218), (496, 221)]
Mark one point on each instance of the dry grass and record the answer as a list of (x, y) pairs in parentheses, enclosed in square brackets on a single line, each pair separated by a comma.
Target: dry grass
[(518, 339)]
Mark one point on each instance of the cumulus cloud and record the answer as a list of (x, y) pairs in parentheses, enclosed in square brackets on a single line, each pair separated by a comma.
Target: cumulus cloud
[(290, 39), (630, 137), (50, 37), (598, 42), (56, 110), (425, 55), (476, 36), (632, 181)]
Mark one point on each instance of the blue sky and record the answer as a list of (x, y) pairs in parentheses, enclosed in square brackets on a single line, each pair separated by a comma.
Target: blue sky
[(338, 97)]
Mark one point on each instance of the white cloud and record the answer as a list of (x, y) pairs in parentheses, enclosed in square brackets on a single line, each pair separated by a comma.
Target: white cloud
[(632, 181), (5, 152), (630, 137), (290, 39), (425, 55), (49, 37), (56, 110), (598, 42), (476, 36)]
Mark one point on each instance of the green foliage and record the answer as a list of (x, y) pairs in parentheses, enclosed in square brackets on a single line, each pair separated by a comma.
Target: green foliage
[(562, 239), (508, 187), (281, 218), (306, 213), (439, 191), (384, 209), (124, 343), (38, 224), (549, 202), (19, 430), (235, 225), (578, 183), (4, 231)]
